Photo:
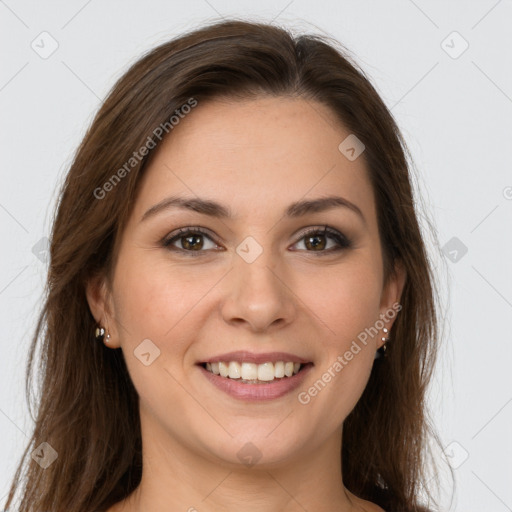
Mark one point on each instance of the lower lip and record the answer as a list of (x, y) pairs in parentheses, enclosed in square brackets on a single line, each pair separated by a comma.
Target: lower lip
[(257, 392)]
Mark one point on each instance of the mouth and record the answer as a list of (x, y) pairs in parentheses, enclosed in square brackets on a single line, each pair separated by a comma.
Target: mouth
[(256, 374), (253, 377), (252, 382)]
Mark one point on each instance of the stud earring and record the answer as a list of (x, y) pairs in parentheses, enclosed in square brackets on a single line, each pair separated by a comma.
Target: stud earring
[(101, 335), (381, 352)]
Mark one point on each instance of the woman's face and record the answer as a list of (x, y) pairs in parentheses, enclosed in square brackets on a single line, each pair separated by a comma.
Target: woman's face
[(258, 278)]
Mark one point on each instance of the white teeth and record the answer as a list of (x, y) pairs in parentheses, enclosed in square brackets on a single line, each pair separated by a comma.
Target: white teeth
[(223, 369), (234, 370), (265, 372), (249, 371), (279, 369)]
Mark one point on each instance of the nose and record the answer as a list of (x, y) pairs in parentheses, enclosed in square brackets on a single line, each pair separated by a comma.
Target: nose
[(257, 295)]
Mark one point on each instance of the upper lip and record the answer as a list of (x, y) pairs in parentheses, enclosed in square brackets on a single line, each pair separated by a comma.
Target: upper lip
[(244, 356)]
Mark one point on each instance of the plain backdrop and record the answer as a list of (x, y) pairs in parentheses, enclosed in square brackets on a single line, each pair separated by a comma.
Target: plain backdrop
[(443, 68)]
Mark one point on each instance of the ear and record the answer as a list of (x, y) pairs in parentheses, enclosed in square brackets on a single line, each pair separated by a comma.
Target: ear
[(100, 304), (391, 295)]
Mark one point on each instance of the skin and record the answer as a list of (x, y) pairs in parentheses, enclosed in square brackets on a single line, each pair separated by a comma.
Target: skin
[(255, 157)]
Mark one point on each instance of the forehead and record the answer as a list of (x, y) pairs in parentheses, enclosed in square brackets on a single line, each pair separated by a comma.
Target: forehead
[(259, 153)]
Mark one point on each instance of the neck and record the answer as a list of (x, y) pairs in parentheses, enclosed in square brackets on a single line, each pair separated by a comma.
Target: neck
[(177, 477)]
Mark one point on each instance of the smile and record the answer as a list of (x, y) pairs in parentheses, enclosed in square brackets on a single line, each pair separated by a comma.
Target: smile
[(266, 385), (251, 373)]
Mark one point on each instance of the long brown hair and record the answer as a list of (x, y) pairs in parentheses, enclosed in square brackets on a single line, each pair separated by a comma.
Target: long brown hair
[(87, 410)]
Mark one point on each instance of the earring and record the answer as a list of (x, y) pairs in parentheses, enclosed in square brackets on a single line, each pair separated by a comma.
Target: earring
[(381, 352), (101, 335)]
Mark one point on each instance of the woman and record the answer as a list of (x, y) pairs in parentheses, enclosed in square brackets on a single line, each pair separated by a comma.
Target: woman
[(240, 309)]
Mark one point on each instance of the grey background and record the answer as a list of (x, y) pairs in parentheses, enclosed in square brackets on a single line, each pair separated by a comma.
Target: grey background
[(454, 108)]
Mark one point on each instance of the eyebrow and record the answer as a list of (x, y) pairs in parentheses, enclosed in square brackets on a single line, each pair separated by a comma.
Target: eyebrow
[(214, 209)]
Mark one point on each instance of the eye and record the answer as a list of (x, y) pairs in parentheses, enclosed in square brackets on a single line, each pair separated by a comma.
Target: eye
[(316, 240), (190, 240)]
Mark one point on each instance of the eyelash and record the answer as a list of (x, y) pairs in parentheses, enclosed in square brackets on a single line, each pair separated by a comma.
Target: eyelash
[(342, 241)]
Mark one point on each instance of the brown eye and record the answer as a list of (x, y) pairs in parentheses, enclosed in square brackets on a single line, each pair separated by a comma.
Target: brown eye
[(193, 242), (190, 240), (317, 240)]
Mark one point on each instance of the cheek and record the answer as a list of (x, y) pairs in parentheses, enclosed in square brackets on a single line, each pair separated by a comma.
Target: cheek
[(344, 300), (150, 304), (154, 299), (165, 304), (346, 306)]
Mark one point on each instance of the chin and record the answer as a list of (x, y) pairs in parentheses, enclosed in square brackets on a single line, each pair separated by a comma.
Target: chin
[(255, 450)]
